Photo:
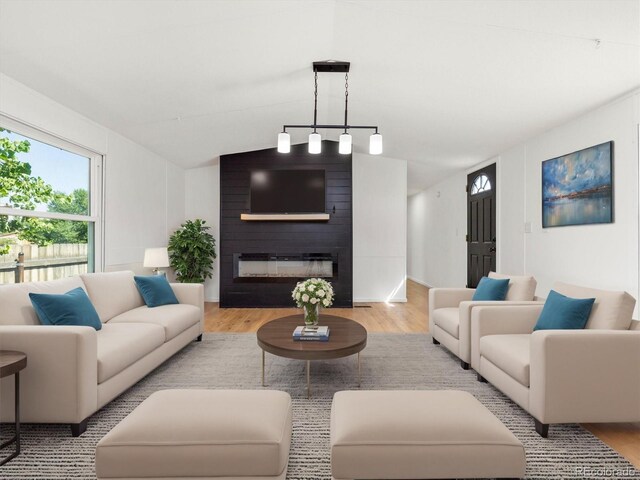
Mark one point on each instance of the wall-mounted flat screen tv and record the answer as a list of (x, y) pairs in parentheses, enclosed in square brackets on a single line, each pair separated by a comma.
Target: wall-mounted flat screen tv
[(288, 191)]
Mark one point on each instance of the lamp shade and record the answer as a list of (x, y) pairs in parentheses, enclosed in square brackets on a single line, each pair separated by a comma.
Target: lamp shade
[(344, 147), (156, 257), (284, 142), (315, 143), (375, 144)]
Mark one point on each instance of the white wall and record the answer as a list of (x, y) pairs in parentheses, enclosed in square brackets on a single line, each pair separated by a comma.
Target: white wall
[(601, 256), (436, 234), (202, 189), (144, 193), (379, 229)]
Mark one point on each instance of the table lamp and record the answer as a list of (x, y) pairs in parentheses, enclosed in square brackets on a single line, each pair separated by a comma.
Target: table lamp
[(156, 258)]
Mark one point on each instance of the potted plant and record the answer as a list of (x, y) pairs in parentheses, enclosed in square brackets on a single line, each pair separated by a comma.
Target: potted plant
[(192, 250)]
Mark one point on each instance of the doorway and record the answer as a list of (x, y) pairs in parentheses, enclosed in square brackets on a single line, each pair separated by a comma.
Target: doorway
[(481, 224)]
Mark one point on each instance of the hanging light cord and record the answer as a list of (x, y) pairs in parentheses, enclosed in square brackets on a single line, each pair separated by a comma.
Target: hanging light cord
[(315, 103), (346, 99)]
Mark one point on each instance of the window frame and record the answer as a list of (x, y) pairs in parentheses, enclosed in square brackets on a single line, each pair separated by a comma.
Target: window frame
[(96, 188), (481, 188)]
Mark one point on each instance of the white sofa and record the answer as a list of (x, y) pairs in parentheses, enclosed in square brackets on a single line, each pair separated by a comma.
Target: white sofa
[(563, 376), (450, 312), (74, 371)]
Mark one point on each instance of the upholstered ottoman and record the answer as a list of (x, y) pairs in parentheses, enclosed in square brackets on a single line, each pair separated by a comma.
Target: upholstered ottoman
[(204, 434), (419, 435)]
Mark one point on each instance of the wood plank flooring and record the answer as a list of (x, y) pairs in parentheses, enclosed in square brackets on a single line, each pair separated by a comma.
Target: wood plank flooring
[(410, 317)]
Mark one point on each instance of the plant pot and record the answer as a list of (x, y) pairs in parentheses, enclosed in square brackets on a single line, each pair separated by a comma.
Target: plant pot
[(311, 314)]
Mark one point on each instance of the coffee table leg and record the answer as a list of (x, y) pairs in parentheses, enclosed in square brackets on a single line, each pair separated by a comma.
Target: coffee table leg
[(263, 368), (359, 377), (308, 382), (16, 438)]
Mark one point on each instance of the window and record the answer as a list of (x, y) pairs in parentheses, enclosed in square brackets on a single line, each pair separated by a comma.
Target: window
[(50, 204), (480, 184)]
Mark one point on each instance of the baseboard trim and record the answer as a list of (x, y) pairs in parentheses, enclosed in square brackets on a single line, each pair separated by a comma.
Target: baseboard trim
[(424, 284), (379, 300)]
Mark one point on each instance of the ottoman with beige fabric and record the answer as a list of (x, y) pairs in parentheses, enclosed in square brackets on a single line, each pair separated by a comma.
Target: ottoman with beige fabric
[(204, 434), (419, 435)]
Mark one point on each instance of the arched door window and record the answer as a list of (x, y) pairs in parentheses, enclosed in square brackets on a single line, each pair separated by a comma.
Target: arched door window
[(480, 184)]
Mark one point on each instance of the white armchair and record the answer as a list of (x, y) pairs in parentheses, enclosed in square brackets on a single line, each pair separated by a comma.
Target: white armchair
[(450, 312), (563, 376)]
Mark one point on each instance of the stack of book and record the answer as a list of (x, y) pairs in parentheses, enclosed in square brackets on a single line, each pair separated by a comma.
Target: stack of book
[(314, 334)]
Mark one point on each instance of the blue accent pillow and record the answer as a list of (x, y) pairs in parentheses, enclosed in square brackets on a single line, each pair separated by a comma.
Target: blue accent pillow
[(563, 313), (71, 308), (493, 289), (155, 290)]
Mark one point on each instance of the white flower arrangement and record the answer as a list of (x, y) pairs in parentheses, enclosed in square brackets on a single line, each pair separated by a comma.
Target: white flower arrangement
[(312, 292)]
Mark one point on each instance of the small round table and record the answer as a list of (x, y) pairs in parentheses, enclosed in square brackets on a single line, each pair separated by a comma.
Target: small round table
[(10, 364), (346, 337)]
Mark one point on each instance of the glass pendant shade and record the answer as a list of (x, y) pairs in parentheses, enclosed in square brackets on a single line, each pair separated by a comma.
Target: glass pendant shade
[(315, 143), (375, 144), (344, 147), (284, 142)]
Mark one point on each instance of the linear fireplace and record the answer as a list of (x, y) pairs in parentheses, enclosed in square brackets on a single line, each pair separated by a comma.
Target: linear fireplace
[(273, 267)]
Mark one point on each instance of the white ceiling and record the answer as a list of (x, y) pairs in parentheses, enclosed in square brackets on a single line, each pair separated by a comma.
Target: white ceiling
[(450, 83)]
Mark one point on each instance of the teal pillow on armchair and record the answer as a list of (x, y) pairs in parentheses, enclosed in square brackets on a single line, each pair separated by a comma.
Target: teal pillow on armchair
[(491, 289), (562, 313), (71, 308)]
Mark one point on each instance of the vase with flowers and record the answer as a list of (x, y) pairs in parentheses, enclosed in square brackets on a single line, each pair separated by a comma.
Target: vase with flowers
[(310, 295)]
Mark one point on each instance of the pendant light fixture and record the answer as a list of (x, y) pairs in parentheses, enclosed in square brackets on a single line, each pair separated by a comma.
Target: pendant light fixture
[(315, 140)]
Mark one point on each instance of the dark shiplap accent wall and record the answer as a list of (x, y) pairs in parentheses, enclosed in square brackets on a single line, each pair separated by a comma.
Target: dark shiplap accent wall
[(236, 236)]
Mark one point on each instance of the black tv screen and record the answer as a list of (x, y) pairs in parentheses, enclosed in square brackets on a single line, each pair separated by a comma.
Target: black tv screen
[(287, 191)]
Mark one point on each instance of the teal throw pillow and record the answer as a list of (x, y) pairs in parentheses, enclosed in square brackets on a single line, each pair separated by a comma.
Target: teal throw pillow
[(563, 313), (493, 289), (155, 290), (71, 308)]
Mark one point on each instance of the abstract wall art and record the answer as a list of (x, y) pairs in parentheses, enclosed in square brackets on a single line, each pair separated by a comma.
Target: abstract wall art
[(577, 188)]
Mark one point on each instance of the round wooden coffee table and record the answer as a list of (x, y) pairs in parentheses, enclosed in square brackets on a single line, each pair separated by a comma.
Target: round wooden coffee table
[(346, 337)]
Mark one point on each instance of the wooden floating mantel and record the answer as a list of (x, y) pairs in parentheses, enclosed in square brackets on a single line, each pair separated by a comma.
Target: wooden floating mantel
[(287, 217)]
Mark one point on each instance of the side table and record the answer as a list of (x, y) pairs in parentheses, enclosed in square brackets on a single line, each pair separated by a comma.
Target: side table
[(10, 364)]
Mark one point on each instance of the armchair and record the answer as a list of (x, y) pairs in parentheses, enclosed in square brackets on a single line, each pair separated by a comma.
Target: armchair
[(563, 376), (450, 312)]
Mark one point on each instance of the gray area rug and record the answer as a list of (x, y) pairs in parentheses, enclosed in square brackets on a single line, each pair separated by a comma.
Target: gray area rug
[(389, 362)]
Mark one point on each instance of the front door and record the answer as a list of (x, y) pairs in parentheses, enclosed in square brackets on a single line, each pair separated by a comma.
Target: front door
[(481, 224)]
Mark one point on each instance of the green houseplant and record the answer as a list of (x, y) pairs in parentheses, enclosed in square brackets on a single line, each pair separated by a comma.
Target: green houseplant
[(192, 250)]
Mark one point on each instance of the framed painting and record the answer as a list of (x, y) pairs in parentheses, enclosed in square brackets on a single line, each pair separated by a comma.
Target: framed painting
[(577, 188)]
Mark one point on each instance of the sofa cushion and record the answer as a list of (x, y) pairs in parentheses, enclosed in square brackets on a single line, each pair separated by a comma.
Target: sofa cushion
[(174, 319), (612, 309), (510, 353), (112, 293), (448, 319), (491, 289), (16, 305), (71, 308), (521, 287), (122, 344), (155, 290), (564, 313)]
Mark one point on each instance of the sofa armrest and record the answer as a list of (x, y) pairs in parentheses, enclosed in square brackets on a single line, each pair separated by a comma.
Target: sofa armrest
[(585, 376), (192, 294), (466, 308), (447, 298), (500, 320), (60, 382)]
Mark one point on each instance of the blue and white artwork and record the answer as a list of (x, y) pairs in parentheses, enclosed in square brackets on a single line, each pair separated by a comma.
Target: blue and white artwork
[(577, 188)]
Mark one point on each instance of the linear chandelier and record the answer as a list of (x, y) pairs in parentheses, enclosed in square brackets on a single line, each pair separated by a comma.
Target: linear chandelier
[(315, 141)]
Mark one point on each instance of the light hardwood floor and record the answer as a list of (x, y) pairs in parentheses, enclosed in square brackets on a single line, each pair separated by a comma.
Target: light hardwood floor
[(410, 317)]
